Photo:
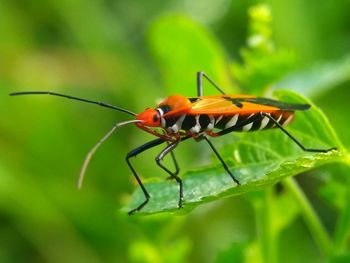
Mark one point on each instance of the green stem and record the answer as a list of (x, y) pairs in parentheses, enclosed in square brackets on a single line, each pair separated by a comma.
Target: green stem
[(341, 232), (265, 225), (342, 229), (313, 222)]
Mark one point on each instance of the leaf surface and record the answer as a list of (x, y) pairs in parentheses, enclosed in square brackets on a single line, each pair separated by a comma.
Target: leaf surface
[(181, 48)]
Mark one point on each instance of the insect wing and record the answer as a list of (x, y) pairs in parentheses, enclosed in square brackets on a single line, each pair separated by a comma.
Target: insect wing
[(278, 104), (242, 104), (228, 104)]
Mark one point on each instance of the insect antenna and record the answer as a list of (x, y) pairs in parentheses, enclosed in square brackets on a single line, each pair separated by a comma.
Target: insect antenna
[(93, 150), (103, 104)]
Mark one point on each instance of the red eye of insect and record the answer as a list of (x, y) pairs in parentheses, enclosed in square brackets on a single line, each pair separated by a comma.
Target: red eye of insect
[(156, 117), (149, 117)]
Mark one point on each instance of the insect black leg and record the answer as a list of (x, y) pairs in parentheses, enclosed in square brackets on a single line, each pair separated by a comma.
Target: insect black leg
[(221, 160), (293, 138), (169, 149), (177, 168), (133, 153), (200, 76)]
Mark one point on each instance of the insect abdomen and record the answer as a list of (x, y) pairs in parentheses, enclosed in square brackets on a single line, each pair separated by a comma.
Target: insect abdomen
[(235, 122), (190, 123), (252, 122)]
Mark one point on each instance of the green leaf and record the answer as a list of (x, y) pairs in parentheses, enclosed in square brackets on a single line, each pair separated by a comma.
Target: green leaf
[(319, 78), (258, 160), (181, 48)]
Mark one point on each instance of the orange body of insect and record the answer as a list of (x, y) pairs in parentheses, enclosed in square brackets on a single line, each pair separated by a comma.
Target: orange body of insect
[(180, 118)]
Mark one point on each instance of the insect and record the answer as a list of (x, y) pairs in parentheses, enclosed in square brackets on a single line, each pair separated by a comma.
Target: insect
[(179, 118)]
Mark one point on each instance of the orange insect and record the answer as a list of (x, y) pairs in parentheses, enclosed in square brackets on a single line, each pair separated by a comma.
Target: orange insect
[(180, 118)]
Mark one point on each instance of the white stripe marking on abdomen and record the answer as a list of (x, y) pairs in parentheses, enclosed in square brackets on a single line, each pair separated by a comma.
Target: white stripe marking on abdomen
[(264, 123), (232, 122), (290, 117), (247, 127), (196, 128), (177, 126)]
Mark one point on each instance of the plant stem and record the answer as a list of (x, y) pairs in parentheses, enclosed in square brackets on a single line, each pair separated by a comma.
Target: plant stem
[(313, 222), (341, 232), (265, 225), (342, 229)]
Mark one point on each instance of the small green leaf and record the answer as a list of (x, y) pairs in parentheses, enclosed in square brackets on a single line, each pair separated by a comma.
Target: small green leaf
[(258, 160), (319, 78), (182, 47)]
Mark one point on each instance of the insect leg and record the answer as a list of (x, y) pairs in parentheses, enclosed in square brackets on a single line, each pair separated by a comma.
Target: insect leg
[(221, 160), (294, 139), (133, 153), (169, 149), (177, 168), (200, 76)]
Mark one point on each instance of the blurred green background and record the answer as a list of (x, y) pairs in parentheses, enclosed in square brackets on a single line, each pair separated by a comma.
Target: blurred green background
[(119, 52)]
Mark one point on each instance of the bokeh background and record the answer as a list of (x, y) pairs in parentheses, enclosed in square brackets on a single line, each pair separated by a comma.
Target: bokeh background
[(107, 50)]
